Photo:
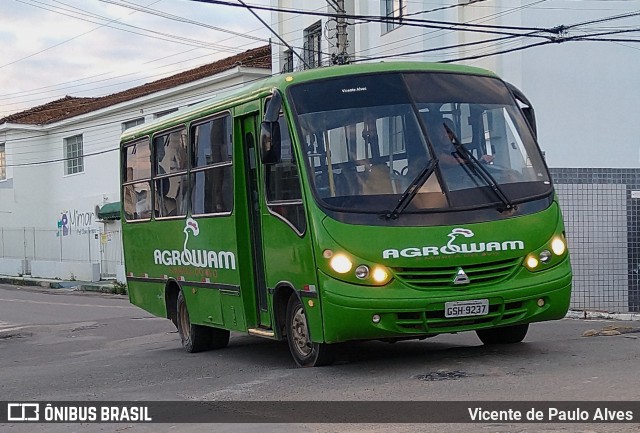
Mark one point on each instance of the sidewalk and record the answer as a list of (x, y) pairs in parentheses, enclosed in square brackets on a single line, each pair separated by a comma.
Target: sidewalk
[(86, 286), (109, 287)]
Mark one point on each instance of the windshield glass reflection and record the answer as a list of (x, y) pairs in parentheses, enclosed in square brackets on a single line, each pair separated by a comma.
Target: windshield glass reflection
[(367, 138)]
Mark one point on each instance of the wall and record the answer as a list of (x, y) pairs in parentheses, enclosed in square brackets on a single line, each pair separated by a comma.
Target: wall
[(47, 216)]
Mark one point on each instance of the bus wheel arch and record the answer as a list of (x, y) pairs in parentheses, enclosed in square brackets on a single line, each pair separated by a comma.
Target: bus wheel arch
[(281, 295), (305, 352), (171, 291), (197, 338)]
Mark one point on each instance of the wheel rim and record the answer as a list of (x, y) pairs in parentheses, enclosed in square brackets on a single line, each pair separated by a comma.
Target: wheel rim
[(300, 333), (185, 325)]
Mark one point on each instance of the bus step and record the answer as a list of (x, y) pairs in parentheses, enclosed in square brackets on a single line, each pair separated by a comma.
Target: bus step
[(268, 333)]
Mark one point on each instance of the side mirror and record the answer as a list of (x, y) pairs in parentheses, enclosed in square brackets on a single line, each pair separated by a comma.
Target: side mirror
[(274, 106), (270, 142), (525, 106)]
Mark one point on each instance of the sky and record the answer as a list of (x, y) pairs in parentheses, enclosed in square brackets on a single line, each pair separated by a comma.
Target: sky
[(83, 48)]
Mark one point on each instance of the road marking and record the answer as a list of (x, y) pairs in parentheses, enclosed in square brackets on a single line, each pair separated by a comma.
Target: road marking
[(29, 301), (8, 327)]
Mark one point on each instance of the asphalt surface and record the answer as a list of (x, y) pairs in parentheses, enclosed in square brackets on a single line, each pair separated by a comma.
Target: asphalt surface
[(60, 345)]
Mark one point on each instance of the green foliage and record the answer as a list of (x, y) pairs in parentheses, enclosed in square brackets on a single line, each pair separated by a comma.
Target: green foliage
[(119, 288)]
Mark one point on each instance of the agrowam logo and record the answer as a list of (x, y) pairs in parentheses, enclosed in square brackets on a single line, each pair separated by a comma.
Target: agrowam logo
[(193, 257), (458, 244)]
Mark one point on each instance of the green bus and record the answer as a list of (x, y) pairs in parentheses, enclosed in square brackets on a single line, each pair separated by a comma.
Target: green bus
[(385, 201)]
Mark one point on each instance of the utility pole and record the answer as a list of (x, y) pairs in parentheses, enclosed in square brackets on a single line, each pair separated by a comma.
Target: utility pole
[(340, 57)]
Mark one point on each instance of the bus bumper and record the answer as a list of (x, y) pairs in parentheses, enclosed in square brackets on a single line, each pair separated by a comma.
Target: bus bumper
[(349, 311)]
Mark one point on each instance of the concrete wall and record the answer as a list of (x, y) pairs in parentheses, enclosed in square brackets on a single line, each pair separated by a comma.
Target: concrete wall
[(12, 267), (80, 271)]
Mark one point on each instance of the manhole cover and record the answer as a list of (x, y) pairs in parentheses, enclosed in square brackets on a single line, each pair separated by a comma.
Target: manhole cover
[(442, 375)]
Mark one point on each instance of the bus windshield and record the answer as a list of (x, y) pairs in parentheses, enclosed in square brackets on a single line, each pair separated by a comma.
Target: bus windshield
[(369, 139)]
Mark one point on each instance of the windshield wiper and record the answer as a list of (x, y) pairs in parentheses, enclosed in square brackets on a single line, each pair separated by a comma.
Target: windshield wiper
[(412, 190), (480, 170)]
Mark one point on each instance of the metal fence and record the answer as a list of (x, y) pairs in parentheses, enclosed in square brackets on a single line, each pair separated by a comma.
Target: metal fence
[(90, 246), (600, 209)]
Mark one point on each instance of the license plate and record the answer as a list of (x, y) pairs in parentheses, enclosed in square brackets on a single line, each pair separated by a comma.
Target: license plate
[(477, 307)]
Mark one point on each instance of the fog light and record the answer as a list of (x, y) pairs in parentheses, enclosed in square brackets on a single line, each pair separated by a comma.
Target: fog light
[(545, 256), (540, 302), (375, 318), (362, 272), (341, 263), (532, 262), (558, 246)]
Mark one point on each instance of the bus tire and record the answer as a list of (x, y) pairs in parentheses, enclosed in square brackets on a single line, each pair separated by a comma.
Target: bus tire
[(219, 338), (503, 335), (305, 352), (195, 338)]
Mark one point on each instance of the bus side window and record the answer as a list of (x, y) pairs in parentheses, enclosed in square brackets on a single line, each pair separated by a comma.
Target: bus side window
[(171, 181), (211, 167), (284, 196), (137, 180)]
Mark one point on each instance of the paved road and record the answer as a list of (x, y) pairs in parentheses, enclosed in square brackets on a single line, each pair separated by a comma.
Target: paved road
[(62, 346)]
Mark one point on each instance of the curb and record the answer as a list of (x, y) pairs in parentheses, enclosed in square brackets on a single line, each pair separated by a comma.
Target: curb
[(587, 314), (85, 286)]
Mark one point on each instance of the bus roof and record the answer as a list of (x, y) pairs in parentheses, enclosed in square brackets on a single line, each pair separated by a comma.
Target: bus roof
[(282, 81)]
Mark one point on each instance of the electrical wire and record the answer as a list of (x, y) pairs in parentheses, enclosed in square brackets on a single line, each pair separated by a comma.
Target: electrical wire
[(16, 95)]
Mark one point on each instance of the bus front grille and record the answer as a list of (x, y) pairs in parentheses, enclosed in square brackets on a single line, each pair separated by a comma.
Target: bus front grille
[(435, 320), (443, 277)]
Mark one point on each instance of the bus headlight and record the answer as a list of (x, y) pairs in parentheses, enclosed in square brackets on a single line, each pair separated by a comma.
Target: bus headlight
[(380, 275), (558, 246), (548, 255), (532, 262), (343, 264), (340, 263)]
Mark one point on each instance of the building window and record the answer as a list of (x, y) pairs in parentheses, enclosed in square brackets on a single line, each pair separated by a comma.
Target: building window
[(3, 162), (132, 123), (393, 9), (164, 113), (73, 156), (287, 62), (312, 45)]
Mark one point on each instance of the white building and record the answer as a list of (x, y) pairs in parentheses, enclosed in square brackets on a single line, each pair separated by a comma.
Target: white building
[(59, 172), (585, 93)]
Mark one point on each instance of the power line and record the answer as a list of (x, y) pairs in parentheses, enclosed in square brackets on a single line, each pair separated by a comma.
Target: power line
[(482, 28), (149, 107), (153, 11), (148, 10), (107, 123), (273, 31), (67, 40)]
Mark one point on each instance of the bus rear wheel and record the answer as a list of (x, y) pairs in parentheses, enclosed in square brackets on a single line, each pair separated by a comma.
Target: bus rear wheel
[(504, 335), (305, 352), (197, 338)]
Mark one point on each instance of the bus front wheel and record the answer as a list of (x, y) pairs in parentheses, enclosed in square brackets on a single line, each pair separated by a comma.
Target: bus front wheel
[(305, 352), (197, 338), (504, 335)]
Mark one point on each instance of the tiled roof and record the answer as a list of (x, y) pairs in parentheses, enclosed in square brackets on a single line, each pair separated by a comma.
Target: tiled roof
[(70, 106)]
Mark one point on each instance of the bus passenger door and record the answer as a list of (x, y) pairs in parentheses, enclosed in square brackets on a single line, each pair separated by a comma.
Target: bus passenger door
[(280, 244), (250, 140)]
